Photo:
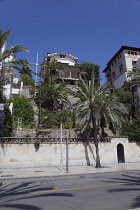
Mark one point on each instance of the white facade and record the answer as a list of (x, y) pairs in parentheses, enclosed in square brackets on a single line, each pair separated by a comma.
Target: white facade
[(70, 70), (120, 64), (62, 58), (12, 88)]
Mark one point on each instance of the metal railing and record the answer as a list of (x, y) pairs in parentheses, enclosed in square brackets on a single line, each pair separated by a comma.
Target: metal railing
[(25, 140)]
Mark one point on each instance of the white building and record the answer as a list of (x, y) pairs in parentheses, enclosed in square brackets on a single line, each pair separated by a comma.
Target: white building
[(70, 69), (62, 58), (10, 82), (11, 88), (120, 64)]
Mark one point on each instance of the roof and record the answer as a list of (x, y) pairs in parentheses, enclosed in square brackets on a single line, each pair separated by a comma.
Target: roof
[(62, 53), (118, 52)]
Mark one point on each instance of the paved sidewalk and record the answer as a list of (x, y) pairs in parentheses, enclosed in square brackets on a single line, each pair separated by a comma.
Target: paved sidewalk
[(56, 171)]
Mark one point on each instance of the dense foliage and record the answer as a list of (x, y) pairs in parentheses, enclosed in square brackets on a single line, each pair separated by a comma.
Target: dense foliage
[(52, 119), (126, 96), (25, 69), (22, 109), (27, 80), (51, 94), (87, 68), (51, 69), (132, 129)]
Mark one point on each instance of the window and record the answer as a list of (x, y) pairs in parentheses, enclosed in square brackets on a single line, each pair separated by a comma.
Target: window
[(121, 68), (135, 53), (128, 52), (62, 56), (132, 53), (113, 75), (133, 62)]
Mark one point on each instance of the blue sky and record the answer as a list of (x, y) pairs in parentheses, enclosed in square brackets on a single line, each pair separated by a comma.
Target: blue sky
[(92, 30)]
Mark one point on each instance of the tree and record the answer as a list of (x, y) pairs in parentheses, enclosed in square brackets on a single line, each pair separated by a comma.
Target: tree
[(87, 68), (52, 119), (126, 97), (22, 109), (132, 129), (96, 104), (135, 73), (51, 69), (12, 50), (7, 130), (24, 69), (27, 80), (2, 97), (51, 94), (9, 53)]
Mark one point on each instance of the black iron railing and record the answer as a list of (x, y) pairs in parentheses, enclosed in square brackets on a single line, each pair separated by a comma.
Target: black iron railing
[(20, 140), (133, 139)]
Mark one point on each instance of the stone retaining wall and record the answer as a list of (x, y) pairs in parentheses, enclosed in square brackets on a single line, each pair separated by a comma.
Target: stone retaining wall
[(20, 155), (23, 132)]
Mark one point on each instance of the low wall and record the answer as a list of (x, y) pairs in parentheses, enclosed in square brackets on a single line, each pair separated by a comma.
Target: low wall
[(23, 132), (18, 155)]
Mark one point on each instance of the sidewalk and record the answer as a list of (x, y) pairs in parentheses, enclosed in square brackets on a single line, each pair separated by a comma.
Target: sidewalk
[(56, 171)]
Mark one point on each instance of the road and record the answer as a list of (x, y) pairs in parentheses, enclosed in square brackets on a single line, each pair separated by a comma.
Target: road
[(107, 191)]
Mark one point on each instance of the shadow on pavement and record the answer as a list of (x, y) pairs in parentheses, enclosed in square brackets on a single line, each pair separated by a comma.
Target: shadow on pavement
[(13, 193), (133, 187)]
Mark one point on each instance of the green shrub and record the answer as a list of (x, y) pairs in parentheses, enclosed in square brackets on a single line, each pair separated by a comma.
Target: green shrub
[(37, 145), (27, 80), (22, 109), (7, 130)]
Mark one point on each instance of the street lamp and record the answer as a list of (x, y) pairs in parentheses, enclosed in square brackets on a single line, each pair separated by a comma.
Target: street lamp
[(1, 119)]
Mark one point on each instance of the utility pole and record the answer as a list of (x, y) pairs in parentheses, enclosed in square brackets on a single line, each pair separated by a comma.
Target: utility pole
[(36, 68), (61, 159), (67, 154)]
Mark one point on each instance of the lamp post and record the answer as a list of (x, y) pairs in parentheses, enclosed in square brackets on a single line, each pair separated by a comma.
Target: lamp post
[(67, 155), (36, 64), (61, 159), (1, 119)]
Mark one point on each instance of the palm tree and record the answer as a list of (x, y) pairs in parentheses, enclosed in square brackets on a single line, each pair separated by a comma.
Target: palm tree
[(96, 104), (51, 68), (135, 73), (51, 93), (7, 56), (12, 50)]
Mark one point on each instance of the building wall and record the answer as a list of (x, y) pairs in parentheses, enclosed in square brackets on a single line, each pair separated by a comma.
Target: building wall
[(121, 64), (120, 80), (12, 88), (67, 59), (25, 155)]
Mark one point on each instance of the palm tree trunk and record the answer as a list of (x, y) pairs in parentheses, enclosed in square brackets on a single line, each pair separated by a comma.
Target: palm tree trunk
[(98, 165)]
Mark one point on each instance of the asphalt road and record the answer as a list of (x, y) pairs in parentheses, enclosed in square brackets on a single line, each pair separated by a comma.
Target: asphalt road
[(107, 191)]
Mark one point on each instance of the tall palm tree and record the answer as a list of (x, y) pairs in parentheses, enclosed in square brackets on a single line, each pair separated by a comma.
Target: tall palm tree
[(7, 56), (51, 68), (51, 93), (12, 50), (135, 73), (96, 104)]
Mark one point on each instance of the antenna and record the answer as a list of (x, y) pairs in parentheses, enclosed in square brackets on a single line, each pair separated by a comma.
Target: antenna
[(36, 67), (36, 64), (54, 50)]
